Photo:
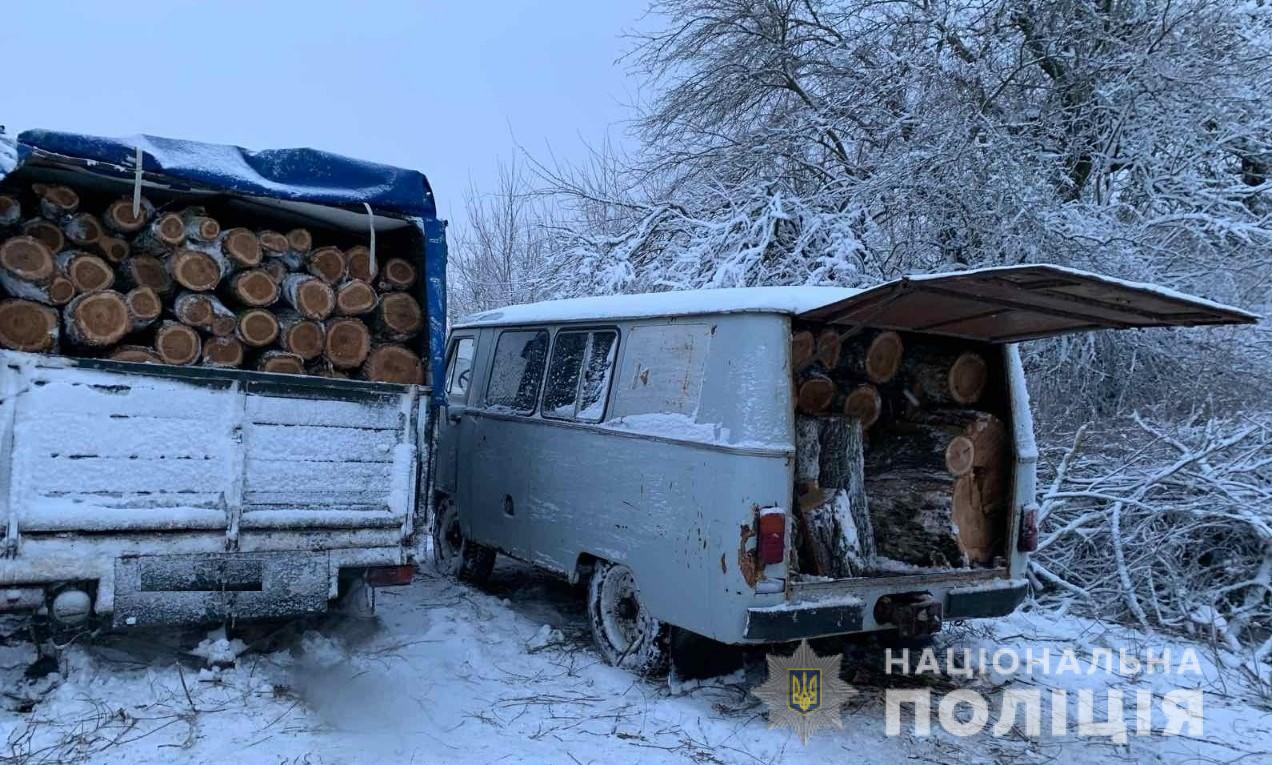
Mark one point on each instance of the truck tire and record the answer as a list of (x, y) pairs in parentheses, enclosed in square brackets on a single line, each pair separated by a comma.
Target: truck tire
[(454, 554), (624, 632)]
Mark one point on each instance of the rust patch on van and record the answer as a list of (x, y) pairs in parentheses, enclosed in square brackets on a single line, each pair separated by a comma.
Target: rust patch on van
[(748, 561), (724, 568)]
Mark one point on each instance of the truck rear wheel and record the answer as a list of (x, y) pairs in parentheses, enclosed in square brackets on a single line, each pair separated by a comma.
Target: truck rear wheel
[(625, 633), (454, 554)]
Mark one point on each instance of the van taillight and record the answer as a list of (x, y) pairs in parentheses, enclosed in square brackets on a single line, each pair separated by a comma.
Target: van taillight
[(772, 541), (390, 576), (1028, 541)]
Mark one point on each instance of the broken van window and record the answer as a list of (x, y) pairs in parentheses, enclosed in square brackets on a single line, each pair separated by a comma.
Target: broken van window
[(517, 370)]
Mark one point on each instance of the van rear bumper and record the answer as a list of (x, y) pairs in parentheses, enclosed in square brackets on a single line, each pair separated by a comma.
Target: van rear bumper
[(842, 614)]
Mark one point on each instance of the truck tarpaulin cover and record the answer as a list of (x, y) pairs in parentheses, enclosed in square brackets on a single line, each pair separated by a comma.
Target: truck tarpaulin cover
[(298, 175)]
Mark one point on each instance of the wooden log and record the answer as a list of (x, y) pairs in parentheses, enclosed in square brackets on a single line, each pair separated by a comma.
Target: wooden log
[(223, 352), (303, 337), (241, 248), (397, 274), (27, 326), (145, 271), (163, 235), (803, 345), (113, 248), (257, 327), (942, 376), (328, 264), (10, 211), (204, 311), (88, 273), (280, 362), (46, 232), (864, 404), (177, 344), (199, 227), (828, 348), (322, 367), (398, 317), (254, 288), (194, 270), (27, 259), (273, 244), (97, 319), (912, 514), (56, 202), (135, 354), (309, 295), (814, 390), (395, 364), (836, 531), (83, 230), (276, 269), (355, 297), (872, 356), (347, 343), (362, 265), (300, 240), (144, 306), (119, 215)]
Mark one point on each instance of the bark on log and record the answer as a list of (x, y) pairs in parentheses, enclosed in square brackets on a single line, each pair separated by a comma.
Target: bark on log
[(145, 271), (395, 364), (144, 306), (97, 319), (136, 354), (802, 347), (309, 295), (119, 215), (836, 533), (204, 311), (56, 202), (397, 274), (280, 362), (164, 234), (347, 343), (198, 226), (194, 270), (300, 240), (223, 352), (873, 357), (88, 273), (177, 344), (10, 211), (361, 265), (328, 264), (254, 288), (942, 377), (257, 327), (46, 232), (113, 248), (912, 514), (398, 317), (83, 230), (27, 326), (300, 336), (355, 297)]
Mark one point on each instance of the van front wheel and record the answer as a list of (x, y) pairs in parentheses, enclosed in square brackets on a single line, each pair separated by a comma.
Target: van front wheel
[(624, 632), (454, 554)]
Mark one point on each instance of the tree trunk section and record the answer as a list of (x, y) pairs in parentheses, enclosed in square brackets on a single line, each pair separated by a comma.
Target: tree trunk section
[(193, 270), (814, 390), (300, 240), (56, 202), (828, 348), (837, 539), (46, 232), (83, 230), (164, 234), (136, 354), (114, 249), (943, 377), (145, 271), (273, 244), (177, 344), (397, 274), (303, 337), (241, 248), (355, 297), (309, 295), (119, 215), (873, 357), (362, 265), (281, 362), (398, 317), (27, 326), (88, 273), (254, 288), (144, 306), (204, 311), (803, 345), (328, 264), (347, 343), (27, 259), (97, 319), (864, 404), (257, 327), (223, 352), (10, 211), (198, 226), (395, 364)]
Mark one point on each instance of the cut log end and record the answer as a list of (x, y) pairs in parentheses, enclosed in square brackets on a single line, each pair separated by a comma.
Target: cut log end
[(281, 362), (177, 344), (310, 296), (400, 317), (967, 379), (802, 346), (135, 354), (828, 346), (169, 229), (60, 290), (303, 337), (273, 243), (147, 271), (28, 259), (815, 395), (300, 240), (395, 364), (361, 265), (242, 247), (83, 230), (398, 274), (959, 455), (354, 298), (120, 217), (10, 210), (257, 327), (255, 288), (348, 343), (27, 326), (864, 403), (225, 352), (57, 202), (194, 270), (97, 319), (883, 357), (328, 264), (88, 273), (113, 248), (201, 228), (46, 232), (276, 269), (144, 305)]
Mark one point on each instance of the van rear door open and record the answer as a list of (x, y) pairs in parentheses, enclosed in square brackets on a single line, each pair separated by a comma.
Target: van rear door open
[(1016, 303)]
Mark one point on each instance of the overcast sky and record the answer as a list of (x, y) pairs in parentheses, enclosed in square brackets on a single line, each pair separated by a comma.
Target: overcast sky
[(442, 87)]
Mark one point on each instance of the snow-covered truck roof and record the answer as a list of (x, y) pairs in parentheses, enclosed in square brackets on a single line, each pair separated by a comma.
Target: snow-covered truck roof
[(1001, 304)]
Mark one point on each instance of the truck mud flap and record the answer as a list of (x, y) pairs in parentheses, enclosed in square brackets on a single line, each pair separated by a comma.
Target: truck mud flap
[(196, 589)]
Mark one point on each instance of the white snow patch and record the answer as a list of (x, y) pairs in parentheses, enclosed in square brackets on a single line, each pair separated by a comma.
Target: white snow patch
[(217, 649)]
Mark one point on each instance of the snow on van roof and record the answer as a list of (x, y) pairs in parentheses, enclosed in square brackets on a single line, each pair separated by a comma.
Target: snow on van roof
[(785, 300)]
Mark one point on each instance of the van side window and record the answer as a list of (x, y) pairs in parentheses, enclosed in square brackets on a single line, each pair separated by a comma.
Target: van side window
[(579, 375), (460, 375), (517, 370)]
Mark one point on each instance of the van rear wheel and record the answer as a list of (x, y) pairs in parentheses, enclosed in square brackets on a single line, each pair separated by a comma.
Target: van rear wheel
[(624, 632), (454, 554)]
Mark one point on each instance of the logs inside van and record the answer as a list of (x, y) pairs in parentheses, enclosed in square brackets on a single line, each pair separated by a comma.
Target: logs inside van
[(903, 448)]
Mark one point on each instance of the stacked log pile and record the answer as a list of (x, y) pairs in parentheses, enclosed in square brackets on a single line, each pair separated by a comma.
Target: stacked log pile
[(139, 284), (919, 467)]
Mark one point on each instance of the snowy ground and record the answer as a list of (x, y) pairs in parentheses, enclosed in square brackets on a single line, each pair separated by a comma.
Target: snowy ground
[(452, 674)]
